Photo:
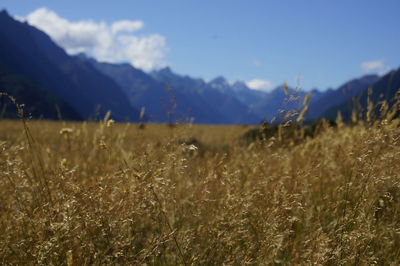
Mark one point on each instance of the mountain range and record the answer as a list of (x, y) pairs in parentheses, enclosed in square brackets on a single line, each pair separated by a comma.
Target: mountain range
[(55, 85)]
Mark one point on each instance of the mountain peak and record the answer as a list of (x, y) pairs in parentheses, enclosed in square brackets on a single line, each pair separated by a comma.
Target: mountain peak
[(5, 16), (240, 86), (163, 74), (355, 86), (82, 56), (4, 12), (219, 79), (315, 91), (219, 83), (166, 71)]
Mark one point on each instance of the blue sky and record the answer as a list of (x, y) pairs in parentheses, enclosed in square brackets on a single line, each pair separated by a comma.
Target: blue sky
[(315, 43)]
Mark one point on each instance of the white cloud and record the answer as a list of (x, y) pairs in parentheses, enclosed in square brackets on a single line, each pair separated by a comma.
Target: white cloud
[(377, 66), (105, 42), (127, 26), (260, 85)]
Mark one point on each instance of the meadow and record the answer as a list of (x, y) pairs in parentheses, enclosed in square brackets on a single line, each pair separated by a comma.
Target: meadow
[(106, 193)]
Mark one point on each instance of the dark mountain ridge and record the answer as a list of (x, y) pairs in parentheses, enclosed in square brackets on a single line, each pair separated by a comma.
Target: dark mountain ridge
[(30, 53), (385, 88), (344, 93), (38, 103)]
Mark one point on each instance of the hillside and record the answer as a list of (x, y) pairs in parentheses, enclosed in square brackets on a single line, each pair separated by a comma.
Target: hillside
[(344, 93), (384, 89), (39, 103), (31, 54)]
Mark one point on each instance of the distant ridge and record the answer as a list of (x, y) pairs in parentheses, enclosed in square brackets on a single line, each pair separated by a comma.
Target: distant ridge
[(344, 93), (384, 89), (216, 96), (161, 102)]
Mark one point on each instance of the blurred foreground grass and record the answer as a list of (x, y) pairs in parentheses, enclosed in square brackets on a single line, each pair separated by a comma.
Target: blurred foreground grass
[(104, 193)]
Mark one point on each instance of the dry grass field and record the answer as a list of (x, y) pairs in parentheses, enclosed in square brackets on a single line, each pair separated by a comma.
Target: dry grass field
[(114, 194)]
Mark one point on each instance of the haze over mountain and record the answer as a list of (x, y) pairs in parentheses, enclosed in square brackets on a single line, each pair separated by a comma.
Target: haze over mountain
[(215, 95), (160, 102), (55, 85)]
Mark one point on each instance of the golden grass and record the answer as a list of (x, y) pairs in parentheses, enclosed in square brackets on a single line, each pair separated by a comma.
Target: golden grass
[(103, 193)]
